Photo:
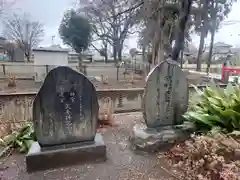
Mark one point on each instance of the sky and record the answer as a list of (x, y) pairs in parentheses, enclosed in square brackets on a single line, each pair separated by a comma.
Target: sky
[(50, 13)]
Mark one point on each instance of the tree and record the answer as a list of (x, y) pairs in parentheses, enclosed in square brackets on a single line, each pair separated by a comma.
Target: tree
[(213, 26), (25, 32), (204, 18), (160, 18), (75, 31), (5, 5), (110, 25)]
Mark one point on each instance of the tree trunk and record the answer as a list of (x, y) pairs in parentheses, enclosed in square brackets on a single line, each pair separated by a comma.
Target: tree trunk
[(181, 65), (27, 56), (115, 53), (80, 62), (105, 47), (200, 50), (106, 53), (115, 42), (203, 34), (106, 58), (143, 53), (119, 54), (180, 35), (210, 52), (213, 30)]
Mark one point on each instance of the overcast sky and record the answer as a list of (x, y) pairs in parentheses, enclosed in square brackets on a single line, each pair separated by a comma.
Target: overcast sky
[(50, 12)]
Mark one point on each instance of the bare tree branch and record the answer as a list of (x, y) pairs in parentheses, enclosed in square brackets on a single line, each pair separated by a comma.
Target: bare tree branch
[(113, 20), (27, 33)]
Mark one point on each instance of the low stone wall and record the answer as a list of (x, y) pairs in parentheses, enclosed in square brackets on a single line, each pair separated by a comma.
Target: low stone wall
[(16, 108)]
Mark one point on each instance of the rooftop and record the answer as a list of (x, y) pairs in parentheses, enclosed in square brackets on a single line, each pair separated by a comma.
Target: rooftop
[(51, 49)]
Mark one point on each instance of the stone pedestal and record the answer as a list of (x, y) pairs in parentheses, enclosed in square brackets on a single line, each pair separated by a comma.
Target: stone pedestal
[(42, 159), (156, 139)]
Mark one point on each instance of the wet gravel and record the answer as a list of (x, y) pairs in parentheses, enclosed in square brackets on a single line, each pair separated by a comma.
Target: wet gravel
[(122, 162)]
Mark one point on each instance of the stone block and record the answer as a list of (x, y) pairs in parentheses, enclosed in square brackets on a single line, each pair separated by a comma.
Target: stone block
[(42, 159), (156, 139)]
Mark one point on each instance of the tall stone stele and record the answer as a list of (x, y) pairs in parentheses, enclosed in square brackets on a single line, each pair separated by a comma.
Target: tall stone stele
[(65, 113), (165, 100)]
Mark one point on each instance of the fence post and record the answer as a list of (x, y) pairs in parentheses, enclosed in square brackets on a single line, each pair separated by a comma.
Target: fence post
[(4, 69), (117, 72), (47, 69), (225, 73), (120, 101), (226, 77), (85, 70)]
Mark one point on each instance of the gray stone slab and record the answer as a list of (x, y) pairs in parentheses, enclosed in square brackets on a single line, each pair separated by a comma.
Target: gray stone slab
[(165, 97), (155, 139), (65, 109), (38, 159)]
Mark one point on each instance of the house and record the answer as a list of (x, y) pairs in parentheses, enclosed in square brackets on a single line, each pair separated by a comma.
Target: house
[(46, 59), (220, 51), (221, 48)]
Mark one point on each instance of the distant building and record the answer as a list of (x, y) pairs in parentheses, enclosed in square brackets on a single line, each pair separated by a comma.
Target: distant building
[(73, 56), (2, 43), (46, 59), (220, 51), (221, 48)]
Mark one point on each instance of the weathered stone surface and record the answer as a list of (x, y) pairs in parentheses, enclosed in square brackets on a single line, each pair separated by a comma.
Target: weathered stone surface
[(65, 109), (153, 139), (36, 159), (237, 154), (166, 95)]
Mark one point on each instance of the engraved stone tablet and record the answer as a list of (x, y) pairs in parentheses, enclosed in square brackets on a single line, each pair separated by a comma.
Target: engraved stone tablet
[(166, 95), (65, 109)]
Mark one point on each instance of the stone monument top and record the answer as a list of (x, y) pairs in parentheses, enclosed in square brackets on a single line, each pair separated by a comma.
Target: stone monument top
[(165, 97), (65, 114), (65, 109)]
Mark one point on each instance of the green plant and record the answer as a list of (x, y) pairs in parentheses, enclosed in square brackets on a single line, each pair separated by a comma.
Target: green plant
[(215, 108), (20, 140)]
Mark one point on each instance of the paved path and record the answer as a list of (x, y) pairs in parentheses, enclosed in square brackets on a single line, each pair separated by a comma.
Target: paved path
[(122, 163)]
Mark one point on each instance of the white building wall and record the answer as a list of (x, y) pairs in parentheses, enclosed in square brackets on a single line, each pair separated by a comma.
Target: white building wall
[(46, 60)]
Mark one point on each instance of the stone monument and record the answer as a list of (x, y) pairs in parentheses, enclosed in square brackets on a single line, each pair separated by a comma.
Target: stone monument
[(65, 113), (165, 100)]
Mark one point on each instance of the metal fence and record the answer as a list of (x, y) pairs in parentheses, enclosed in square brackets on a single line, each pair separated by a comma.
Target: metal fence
[(113, 77)]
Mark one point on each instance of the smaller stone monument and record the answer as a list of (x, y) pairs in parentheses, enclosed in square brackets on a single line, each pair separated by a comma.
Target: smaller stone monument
[(65, 113), (165, 100)]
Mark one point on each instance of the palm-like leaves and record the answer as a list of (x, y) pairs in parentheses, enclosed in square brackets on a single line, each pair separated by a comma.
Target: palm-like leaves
[(215, 107)]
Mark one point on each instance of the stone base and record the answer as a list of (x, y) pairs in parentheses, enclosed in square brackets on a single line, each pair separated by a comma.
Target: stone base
[(37, 159), (153, 140)]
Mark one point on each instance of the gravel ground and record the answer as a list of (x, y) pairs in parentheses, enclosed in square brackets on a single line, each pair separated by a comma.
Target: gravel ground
[(122, 163)]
